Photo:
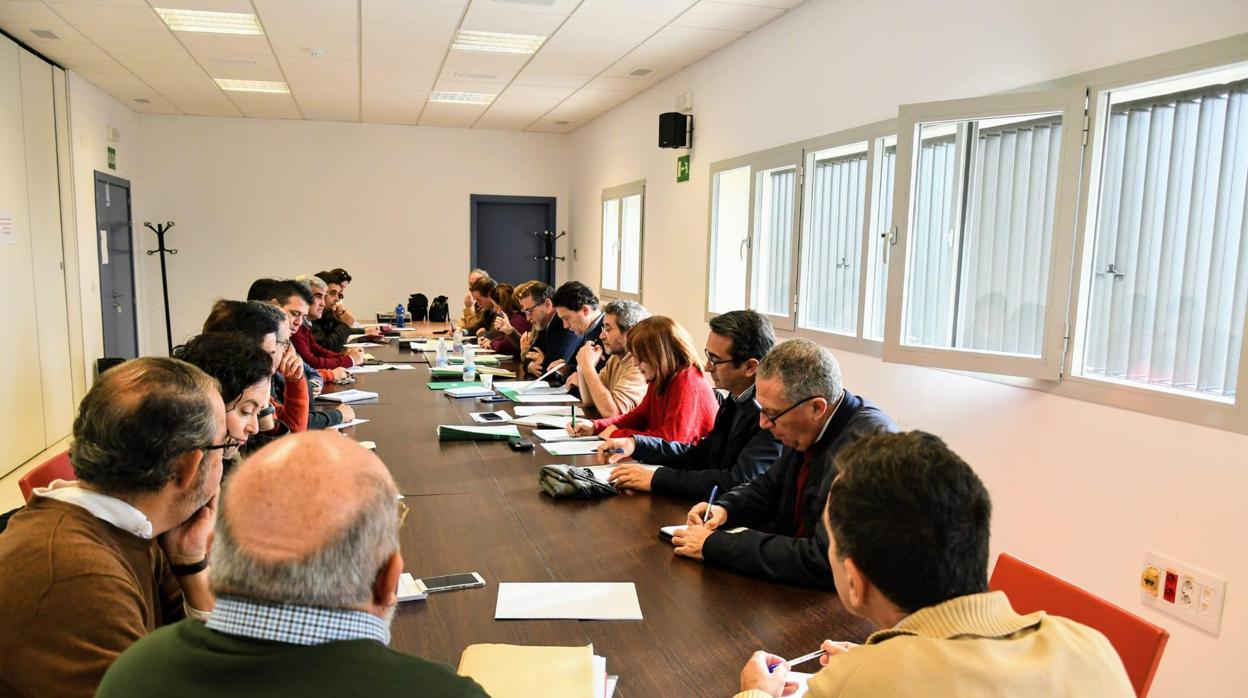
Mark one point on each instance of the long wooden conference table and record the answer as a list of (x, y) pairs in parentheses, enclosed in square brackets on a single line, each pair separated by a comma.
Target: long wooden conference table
[(477, 507)]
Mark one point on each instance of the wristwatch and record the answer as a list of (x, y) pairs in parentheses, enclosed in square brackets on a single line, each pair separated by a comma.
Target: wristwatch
[(188, 570)]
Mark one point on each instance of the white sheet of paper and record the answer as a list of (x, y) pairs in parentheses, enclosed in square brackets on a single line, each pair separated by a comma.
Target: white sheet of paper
[(351, 395), (561, 435), (600, 677), (353, 370), (602, 471), (561, 397), (671, 530), (530, 410), (572, 448), (503, 430), (568, 600), (351, 423), (611, 683), (361, 344), (400, 367), (480, 418), (552, 421), (520, 384)]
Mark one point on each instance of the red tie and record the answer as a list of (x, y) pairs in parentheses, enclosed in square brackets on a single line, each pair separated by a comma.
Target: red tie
[(803, 474)]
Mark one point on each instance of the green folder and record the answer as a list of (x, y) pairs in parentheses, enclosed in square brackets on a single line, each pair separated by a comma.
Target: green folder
[(448, 432), (447, 385), (481, 360), (509, 393)]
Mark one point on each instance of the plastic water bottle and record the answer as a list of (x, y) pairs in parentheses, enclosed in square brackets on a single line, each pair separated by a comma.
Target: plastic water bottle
[(440, 359), (470, 363), (457, 341), (400, 316)]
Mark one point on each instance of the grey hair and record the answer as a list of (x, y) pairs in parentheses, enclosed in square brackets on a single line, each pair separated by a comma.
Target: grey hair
[(805, 369), (627, 313), (277, 316), (479, 272), (339, 575), (137, 419), (313, 282)]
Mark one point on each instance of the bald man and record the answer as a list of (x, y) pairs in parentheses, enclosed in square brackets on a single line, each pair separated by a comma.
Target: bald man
[(305, 566)]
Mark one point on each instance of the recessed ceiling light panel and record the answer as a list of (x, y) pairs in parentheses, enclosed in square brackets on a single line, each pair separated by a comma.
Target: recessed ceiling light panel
[(268, 86), (461, 98), (207, 22), (497, 42)]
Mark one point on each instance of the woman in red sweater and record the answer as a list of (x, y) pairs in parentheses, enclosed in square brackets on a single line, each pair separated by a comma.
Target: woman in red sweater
[(679, 404)]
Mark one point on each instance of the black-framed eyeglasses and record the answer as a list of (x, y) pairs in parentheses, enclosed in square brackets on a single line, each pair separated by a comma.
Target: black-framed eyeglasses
[(230, 442), (790, 408), (283, 343), (710, 358)]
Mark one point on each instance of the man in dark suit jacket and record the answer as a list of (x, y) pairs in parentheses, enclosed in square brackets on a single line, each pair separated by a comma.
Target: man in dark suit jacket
[(770, 527), (577, 308), (737, 450), (551, 340)]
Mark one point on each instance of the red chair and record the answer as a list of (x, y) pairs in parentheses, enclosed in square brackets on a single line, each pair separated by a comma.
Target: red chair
[(57, 468), (1138, 642)]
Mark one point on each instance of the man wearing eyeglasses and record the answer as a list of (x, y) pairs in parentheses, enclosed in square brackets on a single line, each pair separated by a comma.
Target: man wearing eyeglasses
[(770, 527), (551, 340), (736, 451), (306, 565), (94, 564)]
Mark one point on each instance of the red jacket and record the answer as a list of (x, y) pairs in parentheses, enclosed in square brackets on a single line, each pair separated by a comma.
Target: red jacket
[(312, 352), (292, 410), (685, 412)]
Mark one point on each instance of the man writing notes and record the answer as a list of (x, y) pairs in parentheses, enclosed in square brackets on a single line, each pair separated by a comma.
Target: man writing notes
[(909, 523), (306, 563), (551, 340), (803, 404), (577, 308), (93, 565), (737, 450)]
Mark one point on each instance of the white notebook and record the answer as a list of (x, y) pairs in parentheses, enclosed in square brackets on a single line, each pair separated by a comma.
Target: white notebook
[(351, 395), (469, 391)]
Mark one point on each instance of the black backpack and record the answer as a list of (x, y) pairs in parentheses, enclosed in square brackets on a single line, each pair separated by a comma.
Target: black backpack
[(418, 307), (440, 311)]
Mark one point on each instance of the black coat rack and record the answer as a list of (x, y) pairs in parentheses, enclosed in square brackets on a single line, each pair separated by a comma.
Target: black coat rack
[(160, 229)]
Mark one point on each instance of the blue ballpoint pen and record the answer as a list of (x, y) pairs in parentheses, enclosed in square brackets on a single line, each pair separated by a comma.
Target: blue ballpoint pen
[(706, 515)]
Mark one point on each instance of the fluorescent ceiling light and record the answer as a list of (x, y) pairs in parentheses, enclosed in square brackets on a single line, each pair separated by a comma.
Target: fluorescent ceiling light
[(269, 86), (497, 42), (210, 22), (461, 98)]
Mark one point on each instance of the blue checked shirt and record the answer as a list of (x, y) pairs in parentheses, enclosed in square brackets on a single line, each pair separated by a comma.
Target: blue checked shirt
[(295, 625)]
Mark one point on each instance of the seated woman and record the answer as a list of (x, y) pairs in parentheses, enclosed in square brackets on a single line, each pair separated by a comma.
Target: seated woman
[(243, 370), (511, 317), (679, 404), (481, 290)]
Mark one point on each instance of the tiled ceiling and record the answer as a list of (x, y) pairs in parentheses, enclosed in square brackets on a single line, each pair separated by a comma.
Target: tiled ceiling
[(379, 60)]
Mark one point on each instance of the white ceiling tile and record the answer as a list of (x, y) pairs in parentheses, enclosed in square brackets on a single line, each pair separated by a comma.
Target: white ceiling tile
[(320, 66), (477, 75), (406, 34), (720, 15), (90, 14), (657, 11), (589, 44), (546, 7), (226, 45), (27, 12), (265, 106), (162, 65), (422, 83), (467, 86), (66, 52), (330, 111), (64, 32), (536, 78), (283, 47), (116, 39), (241, 6), (393, 12), (483, 60), (394, 99), (398, 117), (782, 4), (538, 91), (308, 29), (451, 115), (584, 30), (100, 67), (207, 107), (488, 20), (695, 39), (622, 85), (329, 10), (301, 84), (517, 104), (504, 121), (660, 54)]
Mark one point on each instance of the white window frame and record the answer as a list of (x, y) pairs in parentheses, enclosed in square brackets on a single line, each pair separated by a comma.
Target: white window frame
[(1048, 366), (872, 134), (622, 192), (1162, 403), (783, 156)]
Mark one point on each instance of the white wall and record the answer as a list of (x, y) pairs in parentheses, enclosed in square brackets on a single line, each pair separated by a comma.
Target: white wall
[(254, 198), (1080, 489)]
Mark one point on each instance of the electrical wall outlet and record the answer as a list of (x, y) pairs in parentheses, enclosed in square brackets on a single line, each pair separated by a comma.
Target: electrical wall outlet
[(1185, 592)]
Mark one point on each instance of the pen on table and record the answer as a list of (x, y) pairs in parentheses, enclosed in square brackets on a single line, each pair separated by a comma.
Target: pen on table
[(800, 660), (706, 515)]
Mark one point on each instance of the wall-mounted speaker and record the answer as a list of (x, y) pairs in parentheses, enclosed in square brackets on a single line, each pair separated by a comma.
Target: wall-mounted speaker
[(675, 130)]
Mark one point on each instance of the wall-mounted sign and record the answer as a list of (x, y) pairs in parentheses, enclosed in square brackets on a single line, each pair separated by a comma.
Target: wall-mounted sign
[(112, 159), (682, 168)]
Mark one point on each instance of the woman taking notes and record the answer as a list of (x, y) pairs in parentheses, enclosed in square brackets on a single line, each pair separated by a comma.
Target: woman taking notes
[(679, 404)]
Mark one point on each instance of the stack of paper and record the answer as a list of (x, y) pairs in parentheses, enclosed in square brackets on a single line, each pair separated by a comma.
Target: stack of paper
[(469, 391), (454, 432), (546, 397), (519, 671), (567, 600), (352, 395), (543, 420)]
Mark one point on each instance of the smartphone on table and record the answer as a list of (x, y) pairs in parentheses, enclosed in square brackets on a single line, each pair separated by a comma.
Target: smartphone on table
[(450, 582)]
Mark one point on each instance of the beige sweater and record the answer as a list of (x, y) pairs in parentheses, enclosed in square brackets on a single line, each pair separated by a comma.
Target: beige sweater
[(975, 646)]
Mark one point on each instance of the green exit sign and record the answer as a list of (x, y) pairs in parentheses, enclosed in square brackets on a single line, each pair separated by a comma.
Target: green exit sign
[(112, 159), (682, 168)]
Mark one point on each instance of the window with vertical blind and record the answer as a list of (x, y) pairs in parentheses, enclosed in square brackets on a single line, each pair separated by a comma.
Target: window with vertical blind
[(1166, 277), (774, 221), (985, 215), (836, 193), (622, 209)]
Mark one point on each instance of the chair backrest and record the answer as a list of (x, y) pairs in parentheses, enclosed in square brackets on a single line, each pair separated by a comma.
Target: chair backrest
[(56, 468), (1138, 642)]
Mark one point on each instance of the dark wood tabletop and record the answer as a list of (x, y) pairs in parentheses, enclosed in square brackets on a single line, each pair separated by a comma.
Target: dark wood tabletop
[(477, 507)]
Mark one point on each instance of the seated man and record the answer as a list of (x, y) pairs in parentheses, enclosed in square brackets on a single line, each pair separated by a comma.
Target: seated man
[(737, 450), (336, 323), (306, 564), (909, 523), (304, 302), (551, 341), (577, 308), (472, 314), (93, 565), (802, 402), (619, 387)]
